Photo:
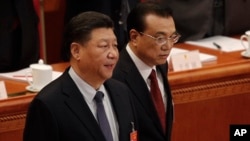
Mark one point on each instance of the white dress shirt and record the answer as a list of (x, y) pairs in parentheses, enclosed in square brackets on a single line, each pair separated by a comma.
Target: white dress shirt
[(145, 71), (88, 93)]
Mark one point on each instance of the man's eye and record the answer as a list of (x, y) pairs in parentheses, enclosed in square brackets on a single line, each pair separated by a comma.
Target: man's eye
[(115, 45), (160, 39), (103, 46)]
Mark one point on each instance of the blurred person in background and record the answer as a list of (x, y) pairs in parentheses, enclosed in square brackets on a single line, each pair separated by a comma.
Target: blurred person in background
[(19, 40)]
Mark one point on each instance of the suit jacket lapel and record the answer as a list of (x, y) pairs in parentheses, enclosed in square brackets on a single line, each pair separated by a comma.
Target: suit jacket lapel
[(136, 83), (115, 96), (138, 86), (79, 107), (170, 114)]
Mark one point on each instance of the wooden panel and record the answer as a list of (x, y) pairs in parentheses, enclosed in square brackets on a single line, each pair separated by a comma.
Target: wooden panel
[(209, 120), (212, 82), (12, 117), (208, 100), (205, 108)]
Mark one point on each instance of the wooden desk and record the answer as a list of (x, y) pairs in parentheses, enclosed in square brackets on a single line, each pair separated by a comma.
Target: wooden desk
[(207, 100), (13, 110)]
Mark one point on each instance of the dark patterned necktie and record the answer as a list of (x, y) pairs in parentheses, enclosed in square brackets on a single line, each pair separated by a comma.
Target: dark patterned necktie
[(101, 116), (157, 99)]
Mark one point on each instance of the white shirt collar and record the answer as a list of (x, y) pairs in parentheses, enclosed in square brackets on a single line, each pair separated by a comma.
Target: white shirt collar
[(143, 68), (87, 90)]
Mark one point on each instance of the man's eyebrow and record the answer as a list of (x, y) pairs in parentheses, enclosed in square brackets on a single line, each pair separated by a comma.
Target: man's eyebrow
[(165, 34)]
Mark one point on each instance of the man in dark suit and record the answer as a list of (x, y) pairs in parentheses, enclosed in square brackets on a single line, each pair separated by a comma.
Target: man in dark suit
[(68, 108), (152, 34)]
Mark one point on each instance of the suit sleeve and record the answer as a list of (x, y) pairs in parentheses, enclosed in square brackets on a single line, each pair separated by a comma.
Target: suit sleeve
[(40, 123)]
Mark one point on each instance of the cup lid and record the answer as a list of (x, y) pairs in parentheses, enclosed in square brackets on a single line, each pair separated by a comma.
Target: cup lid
[(41, 65), (247, 33)]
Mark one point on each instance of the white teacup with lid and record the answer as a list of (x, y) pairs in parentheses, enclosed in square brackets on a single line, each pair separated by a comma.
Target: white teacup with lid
[(246, 36), (41, 75)]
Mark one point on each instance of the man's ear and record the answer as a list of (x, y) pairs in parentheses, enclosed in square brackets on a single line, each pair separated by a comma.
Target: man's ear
[(75, 50), (133, 36)]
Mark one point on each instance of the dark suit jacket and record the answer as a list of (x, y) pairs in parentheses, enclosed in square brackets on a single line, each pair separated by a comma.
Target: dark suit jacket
[(59, 113), (149, 124), (19, 42)]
